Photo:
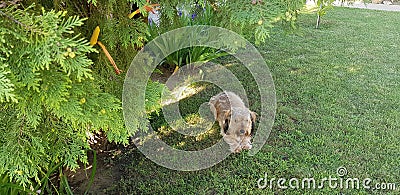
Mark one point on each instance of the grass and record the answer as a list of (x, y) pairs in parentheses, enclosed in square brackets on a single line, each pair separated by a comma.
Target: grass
[(338, 101)]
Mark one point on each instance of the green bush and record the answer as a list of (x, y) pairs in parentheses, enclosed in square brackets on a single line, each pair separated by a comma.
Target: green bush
[(186, 15), (254, 21), (49, 98)]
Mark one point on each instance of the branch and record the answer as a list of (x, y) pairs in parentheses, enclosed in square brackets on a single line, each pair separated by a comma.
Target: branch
[(21, 24), (5, 4)]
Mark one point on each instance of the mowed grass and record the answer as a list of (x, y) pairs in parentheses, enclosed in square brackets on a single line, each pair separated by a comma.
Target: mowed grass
[(338, 105)]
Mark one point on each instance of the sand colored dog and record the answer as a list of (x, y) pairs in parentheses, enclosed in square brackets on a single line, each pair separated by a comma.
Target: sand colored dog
[(235, 120)]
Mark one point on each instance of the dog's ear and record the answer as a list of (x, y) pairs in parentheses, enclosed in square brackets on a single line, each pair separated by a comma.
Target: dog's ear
[(253, 117), (227, 116), (226, 126)]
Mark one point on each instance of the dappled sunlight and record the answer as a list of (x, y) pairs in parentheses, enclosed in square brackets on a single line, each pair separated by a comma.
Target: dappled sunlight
[(165, 130), (229, 65), (192, 124), (195, 123), (309, 7), (298, 71), (181, 144), (354, 69), (181, 93), (140, 140), (194, 119), (206, 135)]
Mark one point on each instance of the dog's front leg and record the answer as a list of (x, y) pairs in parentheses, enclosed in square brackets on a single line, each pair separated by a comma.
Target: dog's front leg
[(234, 144)]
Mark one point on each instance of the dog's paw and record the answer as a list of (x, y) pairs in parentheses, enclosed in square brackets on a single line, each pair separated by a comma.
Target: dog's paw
[(237, 150), (246, 143), (247, 147)]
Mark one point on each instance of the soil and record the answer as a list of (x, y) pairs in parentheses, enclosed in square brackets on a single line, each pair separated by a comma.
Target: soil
[(108, 169)]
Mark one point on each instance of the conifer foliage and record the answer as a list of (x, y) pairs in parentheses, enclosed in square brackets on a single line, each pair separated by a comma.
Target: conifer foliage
[(49, 99)]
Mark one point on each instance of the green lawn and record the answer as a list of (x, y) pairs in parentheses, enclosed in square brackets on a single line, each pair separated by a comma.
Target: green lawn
[(338, 104)]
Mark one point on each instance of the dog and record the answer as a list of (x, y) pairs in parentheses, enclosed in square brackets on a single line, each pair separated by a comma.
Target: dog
[(235, 120)]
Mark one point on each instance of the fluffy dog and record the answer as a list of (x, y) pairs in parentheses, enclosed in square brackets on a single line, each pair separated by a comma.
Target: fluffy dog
[(235, 120)]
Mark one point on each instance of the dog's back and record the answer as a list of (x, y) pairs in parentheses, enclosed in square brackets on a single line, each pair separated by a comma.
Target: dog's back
[(221, 104), (226, 100)]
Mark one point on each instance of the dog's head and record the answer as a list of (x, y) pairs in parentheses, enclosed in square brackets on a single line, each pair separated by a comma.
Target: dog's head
[(237, 143), (241, 121)]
